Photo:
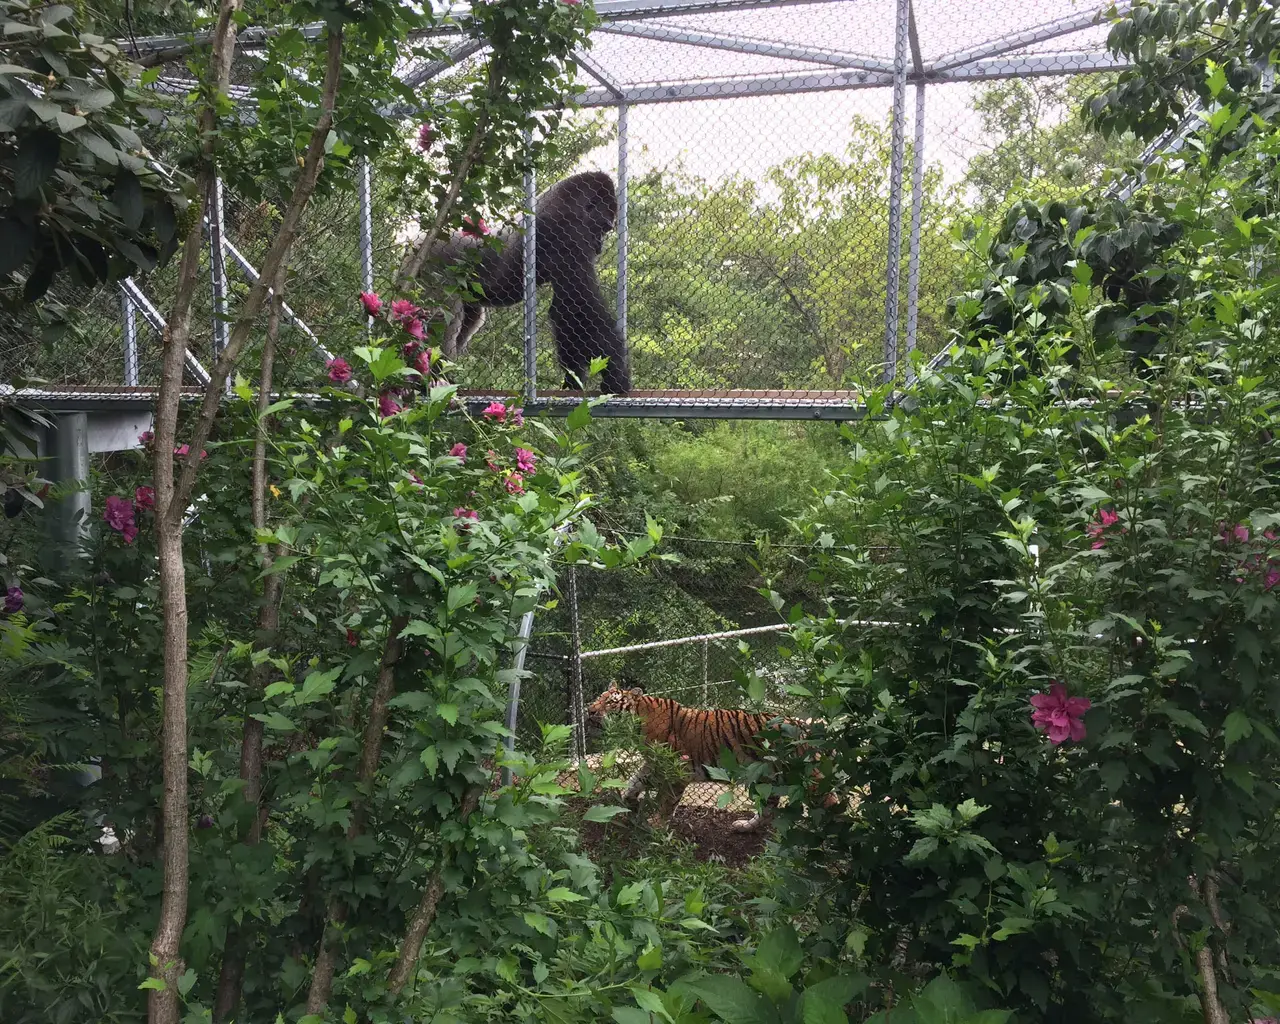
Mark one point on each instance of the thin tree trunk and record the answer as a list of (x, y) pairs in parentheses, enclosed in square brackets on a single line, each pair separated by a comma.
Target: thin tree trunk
[(425, 915), (370, 755), (231, 977), (312, 165), (163, 1005)]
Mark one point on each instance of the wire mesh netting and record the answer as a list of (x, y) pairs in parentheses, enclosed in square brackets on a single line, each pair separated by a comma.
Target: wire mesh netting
[(748, 212)]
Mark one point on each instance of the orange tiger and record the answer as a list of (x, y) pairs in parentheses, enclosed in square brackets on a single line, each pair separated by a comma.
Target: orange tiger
[(697, 733)]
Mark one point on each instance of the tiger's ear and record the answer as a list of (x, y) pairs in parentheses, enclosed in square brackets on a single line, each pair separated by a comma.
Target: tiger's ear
[(638, 691), (613, 684)]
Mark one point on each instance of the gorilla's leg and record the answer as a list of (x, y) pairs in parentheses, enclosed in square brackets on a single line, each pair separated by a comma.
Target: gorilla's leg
[(584, 329)]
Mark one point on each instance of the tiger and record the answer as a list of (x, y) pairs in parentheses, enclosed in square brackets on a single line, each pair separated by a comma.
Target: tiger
[(697, 733)]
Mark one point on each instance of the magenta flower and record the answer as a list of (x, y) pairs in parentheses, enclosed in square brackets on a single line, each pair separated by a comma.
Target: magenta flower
[(1272, 577), (1097, 527), (403, 309), (185, 449), (517, 417), (1238, 534), (118, 515), (425, 138), (514, 483), (413, 327), (13, 600), (372, 303), (422, 362), (353, 639), (489, 458), (146, 437), (387, 404), (459, 451), (1059, 715), (495, 411), (525, 460), (409, 350), (476, 227), (465, 514), (145, 498), (339, 370)]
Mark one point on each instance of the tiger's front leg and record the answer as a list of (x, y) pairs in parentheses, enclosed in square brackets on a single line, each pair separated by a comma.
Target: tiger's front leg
[(635, 785), (758, 820)]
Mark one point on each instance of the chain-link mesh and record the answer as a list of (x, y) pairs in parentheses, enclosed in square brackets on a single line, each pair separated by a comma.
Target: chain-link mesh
[(751, 155)]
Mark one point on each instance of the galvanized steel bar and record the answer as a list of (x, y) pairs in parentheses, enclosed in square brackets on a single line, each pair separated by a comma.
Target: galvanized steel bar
[(129, 324), (530, 275), (366, 222), (622, 221), (218, 268), (917, 212), (513, 689), (897, 153)]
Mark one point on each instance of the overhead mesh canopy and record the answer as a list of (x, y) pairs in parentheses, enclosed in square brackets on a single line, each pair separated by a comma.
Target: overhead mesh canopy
[(787, 177)]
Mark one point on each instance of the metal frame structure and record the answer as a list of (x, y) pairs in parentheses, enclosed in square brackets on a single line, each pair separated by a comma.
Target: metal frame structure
[(1017, 54)]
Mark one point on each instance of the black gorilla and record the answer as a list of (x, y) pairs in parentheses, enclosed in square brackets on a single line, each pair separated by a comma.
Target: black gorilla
[(573, 217)]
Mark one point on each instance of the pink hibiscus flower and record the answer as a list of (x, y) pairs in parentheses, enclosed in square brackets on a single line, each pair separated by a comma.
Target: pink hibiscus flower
[(145, 498), (525, 460), (339, 370), (459, 451), (495, 411), (1059, 715), (403, 309), (372, 303), (387, 404)]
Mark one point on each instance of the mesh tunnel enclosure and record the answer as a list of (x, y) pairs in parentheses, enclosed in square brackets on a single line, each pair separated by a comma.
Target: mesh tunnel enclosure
[(769, 228)]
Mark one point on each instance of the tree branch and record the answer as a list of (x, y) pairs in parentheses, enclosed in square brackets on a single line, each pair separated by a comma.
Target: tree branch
[(231, 976), (166, 944), (425, 915), (370, 755), (312, 165)]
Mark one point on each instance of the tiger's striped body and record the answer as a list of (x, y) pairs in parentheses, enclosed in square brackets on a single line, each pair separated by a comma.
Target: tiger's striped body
[(698, 733)]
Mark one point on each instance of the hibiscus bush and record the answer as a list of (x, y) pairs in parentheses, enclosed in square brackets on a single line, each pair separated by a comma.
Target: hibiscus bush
[(1048, 664)]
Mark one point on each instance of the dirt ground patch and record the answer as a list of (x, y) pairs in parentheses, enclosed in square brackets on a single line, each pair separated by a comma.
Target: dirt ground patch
[(706, 831)]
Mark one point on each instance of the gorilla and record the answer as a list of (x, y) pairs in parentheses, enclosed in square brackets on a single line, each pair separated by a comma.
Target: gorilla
[(572, 219)]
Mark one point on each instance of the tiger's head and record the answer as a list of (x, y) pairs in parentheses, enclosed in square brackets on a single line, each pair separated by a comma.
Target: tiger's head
[(613, 700)]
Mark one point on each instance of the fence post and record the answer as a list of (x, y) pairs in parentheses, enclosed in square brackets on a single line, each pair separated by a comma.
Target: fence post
[(69, 442), (530, 275), (130, 336), (917, 212), (897, 154), (513, 690), (577, 713), (622, 220), (706, 678), (365, 185)]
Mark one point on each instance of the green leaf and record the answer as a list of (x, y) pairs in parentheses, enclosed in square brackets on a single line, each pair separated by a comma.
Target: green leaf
[(277, 721), (460, 596), (631, 1015), (449, 712), (97, 99), (12, 113), (1236, 728), (780, 950), (35, 161), (731, 1000), (580, 416), (562, 895), (127, 195), (603, 812), (824, 1002), (431, 759), (649, 1001), (67, 123), (650, 959), (156, 984), (280, 565), (540, 923)]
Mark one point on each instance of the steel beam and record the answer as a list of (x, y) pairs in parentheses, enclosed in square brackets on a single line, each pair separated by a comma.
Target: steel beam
[(152, 316), (530, 242), (897, 153), (623, 235), (745, 44), (1027, 37), (129, 334), (70, 514), (218, 269)]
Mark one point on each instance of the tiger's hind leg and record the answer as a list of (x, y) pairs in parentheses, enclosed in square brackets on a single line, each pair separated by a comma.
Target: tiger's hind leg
[(635, 785)]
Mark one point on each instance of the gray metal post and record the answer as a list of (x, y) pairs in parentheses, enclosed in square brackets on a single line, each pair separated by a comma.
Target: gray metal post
[(917, 212), (366, 226), (577, 706), (513, 691), (706, 675), (530, 276), (622, 220), (897, 154), (218, 270), (70, 515), (130, 336)]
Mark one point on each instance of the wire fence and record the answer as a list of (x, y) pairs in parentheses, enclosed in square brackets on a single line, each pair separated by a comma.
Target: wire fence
[(750, 221)]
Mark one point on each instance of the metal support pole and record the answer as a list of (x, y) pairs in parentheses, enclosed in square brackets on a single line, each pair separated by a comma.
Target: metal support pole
[(706, 676), (622, 220), (577, 707), (513, 691), (130, 336), (917, 212), (218, 270), (897, 153), (70, 518), (366, 226), (530, 275)]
